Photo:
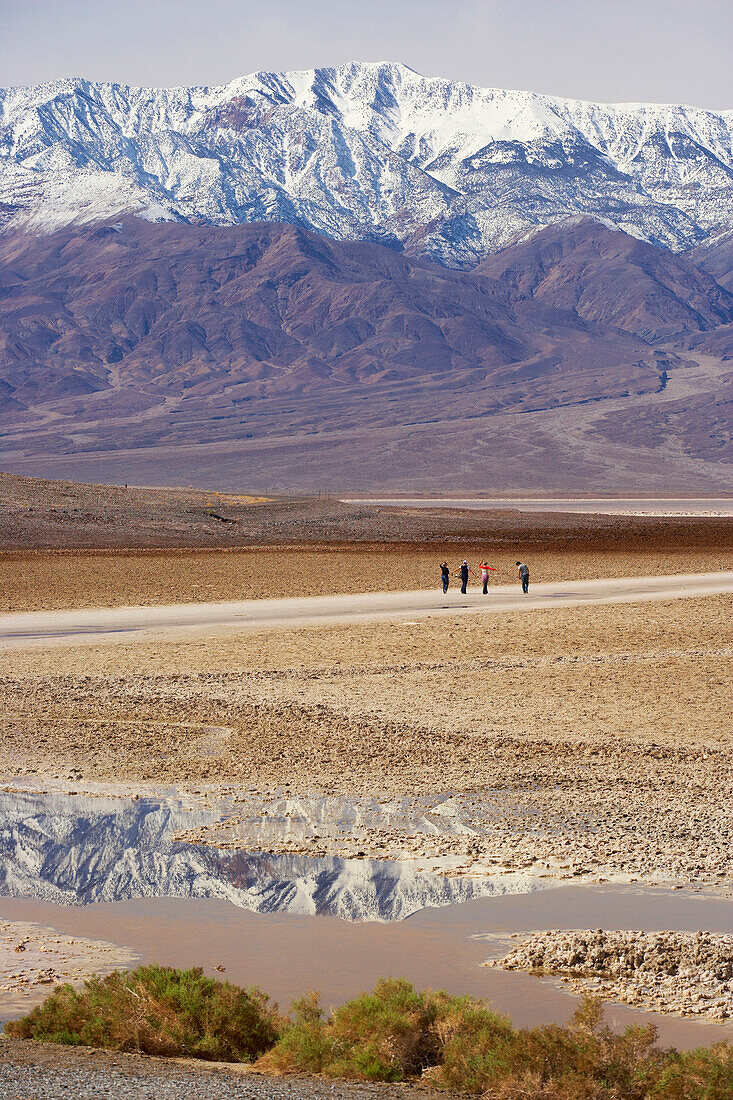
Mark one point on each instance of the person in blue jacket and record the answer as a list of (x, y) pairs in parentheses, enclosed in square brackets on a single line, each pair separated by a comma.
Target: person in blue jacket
[(463, 573)]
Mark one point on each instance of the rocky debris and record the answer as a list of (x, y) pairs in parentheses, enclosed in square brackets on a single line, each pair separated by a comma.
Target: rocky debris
[(685, 973), (47, 958)]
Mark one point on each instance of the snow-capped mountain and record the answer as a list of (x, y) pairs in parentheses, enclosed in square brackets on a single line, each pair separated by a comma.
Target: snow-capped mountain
[(364, 151)]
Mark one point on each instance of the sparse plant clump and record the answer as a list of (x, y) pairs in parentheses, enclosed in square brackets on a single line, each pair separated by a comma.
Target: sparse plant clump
[(305, 1045), (157, 1010), (703, 1074), (386, 1035), (461, 1044), (394, 1033)]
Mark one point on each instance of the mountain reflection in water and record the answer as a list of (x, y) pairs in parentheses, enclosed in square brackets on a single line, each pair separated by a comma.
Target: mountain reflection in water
[(77, 850)]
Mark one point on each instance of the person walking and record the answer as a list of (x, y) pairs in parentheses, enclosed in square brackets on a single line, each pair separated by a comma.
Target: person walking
[(523, 571), (445, 575), (485, 570), (463, 573)]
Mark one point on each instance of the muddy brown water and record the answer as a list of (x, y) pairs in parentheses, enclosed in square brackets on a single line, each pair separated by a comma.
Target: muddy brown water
[(287, 954), (109, 868)]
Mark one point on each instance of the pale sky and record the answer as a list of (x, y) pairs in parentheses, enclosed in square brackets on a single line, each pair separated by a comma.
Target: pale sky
[(607, 50)]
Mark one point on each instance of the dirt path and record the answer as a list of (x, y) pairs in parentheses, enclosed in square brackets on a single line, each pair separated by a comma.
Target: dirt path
[(138, 623)]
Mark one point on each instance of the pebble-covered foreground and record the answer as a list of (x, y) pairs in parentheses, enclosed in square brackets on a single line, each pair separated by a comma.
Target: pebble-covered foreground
[(687, 973), (45, 1071)]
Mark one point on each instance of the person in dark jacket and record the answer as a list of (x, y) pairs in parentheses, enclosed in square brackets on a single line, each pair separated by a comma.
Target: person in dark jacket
[(463, 573), (523, 571), (445, 575)]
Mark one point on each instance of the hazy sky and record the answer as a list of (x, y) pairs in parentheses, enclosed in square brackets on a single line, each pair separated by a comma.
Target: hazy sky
[(652, 50)]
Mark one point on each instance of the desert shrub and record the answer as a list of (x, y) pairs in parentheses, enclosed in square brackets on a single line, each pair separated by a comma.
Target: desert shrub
[(391, 1034), (531, 1086), (589, 1055), (157, 1010), (477, 1046), (305, 1044), (704, 1074), (385, 1035), (459, 1043)]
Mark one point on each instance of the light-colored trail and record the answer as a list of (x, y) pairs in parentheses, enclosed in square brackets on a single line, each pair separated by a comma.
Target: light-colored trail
[(177, 621)]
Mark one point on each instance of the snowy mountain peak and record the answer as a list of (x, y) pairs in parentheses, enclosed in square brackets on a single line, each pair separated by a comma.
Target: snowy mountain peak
[(364, 151)]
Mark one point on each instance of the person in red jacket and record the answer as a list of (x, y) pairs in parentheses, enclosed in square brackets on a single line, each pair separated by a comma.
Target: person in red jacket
[(485, 570)]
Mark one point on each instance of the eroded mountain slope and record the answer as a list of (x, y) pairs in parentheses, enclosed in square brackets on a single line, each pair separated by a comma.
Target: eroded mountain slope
[(267, 356)]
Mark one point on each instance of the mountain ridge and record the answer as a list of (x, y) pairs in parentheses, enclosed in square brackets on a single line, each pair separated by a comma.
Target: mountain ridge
[(264, 354), (364, 151)]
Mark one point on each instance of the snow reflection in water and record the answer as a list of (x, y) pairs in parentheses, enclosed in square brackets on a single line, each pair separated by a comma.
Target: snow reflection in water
[(77, 850)]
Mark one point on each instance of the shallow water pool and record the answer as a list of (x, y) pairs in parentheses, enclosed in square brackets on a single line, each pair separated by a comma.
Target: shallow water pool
[(107, 868)]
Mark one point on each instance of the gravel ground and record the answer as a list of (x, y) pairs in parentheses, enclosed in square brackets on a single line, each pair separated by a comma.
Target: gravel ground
[(46, 1071)]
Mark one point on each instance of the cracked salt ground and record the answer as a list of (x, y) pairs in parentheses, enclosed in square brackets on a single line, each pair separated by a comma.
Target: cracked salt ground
[(33, 959)]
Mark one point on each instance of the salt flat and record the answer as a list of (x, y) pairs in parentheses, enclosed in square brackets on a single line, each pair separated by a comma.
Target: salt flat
[(606, 506)]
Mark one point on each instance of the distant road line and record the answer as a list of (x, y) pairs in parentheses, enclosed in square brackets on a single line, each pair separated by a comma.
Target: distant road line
[(176, 621)]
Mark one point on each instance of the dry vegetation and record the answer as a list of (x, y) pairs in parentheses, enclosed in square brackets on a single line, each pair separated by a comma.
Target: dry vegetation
[(393, 1033), (157, 1010)]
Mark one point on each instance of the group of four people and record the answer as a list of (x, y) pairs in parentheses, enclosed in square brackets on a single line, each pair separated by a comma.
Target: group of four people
[(465, 571)]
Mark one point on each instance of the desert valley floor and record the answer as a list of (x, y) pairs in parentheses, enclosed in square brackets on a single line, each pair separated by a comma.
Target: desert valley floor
[(571, 765)]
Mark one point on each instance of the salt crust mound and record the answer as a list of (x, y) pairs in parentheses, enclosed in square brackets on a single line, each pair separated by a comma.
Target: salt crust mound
[(687, 973)]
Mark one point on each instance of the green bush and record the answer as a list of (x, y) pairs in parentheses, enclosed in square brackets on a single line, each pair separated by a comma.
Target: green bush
[(305, 1046), (386, 1035), (460, 1044), (393, 1033), (703, 1074), (477, 1046), (588, 1059), (157, 1010)]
